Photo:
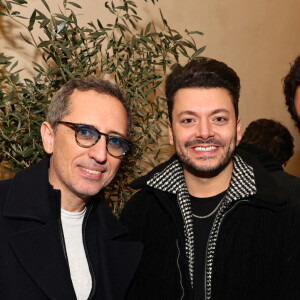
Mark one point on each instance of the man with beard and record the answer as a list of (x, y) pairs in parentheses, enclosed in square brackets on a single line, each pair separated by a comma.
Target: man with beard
[(291, 88), (214, 225)]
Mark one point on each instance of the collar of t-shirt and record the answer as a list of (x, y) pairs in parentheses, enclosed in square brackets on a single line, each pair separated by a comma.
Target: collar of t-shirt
[(204, 206)]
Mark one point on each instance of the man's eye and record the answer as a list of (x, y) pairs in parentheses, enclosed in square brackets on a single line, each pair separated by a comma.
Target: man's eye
[(115, 142), (187, 121), (220, 119), (85, 132)]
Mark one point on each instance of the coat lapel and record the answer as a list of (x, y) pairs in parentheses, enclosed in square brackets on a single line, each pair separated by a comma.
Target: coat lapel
[(118, 263), (41, 255), (118, 257)]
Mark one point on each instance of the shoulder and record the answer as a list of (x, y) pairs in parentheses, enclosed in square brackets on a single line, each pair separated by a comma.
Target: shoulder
[(142, 200), (4, 190), (290, 185), (34, 175), (286, 179), (4, 185), (141, 182), (149, 205)]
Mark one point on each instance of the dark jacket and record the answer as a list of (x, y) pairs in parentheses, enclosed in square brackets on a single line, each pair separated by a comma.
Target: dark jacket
[(33, 260), (252, 251), (288, 183)]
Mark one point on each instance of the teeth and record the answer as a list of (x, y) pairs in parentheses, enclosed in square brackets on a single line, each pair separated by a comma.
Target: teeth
[(210, 148), (92, 171)]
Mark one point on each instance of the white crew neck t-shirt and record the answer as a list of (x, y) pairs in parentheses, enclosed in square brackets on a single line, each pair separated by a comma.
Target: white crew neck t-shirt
[(80, 273)]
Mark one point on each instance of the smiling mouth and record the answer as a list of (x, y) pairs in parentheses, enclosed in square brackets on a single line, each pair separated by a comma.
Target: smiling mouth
[(91, 171), (209, 148)]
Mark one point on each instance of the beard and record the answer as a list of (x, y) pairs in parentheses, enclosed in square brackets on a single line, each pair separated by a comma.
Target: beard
[(205, 168)]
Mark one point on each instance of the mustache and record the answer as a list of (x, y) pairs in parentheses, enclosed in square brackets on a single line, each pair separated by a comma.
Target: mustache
[(201, 142)]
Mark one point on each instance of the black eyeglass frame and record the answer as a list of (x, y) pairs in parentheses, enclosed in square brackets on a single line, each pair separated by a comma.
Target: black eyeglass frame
[(107, 136)]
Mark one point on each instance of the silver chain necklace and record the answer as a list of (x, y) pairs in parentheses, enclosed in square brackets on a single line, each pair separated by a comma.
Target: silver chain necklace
[(211, 213)]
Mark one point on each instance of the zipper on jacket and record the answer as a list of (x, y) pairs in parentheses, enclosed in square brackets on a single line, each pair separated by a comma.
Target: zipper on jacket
[(92, 293), (180, 275), (62, 239), (205, 269), (61, 232)]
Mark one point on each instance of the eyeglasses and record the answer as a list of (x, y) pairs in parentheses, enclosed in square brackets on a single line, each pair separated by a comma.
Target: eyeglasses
[(88, 136)]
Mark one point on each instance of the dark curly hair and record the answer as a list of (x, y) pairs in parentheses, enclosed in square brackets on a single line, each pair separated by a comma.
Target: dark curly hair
[(290, 85), (204, 73), (272, 136)]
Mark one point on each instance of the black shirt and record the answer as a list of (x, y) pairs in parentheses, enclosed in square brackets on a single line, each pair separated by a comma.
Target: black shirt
[(202, 227)]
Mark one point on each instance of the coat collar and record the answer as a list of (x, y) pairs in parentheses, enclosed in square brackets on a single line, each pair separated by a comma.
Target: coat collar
[(249, 178), (27, 189)]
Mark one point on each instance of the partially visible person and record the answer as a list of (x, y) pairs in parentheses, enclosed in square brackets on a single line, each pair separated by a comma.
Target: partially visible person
[(272, 144), (291, 88), (272, 137), (58, 239), (213, 223)]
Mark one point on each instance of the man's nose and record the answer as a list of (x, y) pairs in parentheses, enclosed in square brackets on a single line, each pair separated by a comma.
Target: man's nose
[(98, 151), (204, 129)]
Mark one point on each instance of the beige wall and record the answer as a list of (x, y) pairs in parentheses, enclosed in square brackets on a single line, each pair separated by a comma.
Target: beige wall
[(257, 38)]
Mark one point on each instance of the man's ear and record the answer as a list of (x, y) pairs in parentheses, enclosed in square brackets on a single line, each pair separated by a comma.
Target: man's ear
[(47, 134), (238, 130), (171, 140)]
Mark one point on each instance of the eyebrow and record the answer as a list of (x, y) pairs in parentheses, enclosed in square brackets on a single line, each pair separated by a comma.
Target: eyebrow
[(187, 112), (220, 110), (116, 133), (193, 113)]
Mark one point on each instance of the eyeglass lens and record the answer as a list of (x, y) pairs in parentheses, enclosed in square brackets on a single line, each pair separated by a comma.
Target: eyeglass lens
[(87, 136)]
